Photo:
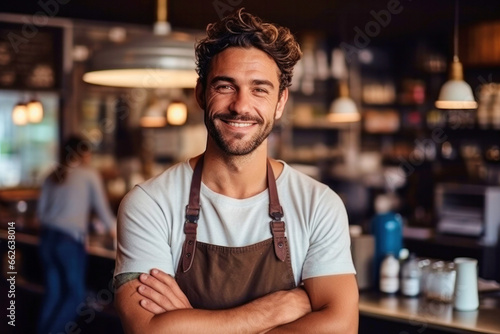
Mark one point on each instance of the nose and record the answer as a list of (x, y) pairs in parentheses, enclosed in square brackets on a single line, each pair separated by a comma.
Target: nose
[(240, 102)]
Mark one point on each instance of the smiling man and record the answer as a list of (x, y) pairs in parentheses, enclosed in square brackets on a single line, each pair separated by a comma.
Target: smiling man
[(232, 241), (230, 100)]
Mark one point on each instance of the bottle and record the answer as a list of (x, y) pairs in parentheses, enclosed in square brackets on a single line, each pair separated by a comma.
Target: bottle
[(389, 275), (387, 227), (410, 277)]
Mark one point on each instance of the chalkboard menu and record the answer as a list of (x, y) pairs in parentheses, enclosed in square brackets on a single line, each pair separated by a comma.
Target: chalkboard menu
[(30, 57)]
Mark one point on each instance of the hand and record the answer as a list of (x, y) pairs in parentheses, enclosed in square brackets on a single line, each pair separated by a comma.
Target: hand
[(161, 292), (296, 303), (289, 306)]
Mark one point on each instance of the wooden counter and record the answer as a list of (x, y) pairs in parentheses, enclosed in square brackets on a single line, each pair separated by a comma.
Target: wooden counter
[(98, 245), (377, 311), (101, 260), (30, 284), (420, 315)]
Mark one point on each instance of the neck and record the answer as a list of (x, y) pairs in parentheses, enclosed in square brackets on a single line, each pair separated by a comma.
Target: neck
[(237, 176)]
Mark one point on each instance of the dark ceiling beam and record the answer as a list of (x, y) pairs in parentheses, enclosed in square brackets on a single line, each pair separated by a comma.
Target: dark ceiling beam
[(335, 18)]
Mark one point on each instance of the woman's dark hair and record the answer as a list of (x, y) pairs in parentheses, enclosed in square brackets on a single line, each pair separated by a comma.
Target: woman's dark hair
[(70, 153), (242, 29)]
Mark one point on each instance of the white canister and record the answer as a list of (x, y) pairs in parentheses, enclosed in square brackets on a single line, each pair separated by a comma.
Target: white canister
[(389, 275), (466, 292)]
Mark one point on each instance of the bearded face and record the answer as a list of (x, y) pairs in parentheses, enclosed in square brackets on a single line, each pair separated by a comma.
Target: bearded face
[(242, 100)]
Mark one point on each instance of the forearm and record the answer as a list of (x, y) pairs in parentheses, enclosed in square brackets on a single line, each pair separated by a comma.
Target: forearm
[(334, 301), (258, 316), (323, 321)]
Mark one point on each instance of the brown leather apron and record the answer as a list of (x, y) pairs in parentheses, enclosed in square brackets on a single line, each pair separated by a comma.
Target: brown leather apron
[(219, 277)]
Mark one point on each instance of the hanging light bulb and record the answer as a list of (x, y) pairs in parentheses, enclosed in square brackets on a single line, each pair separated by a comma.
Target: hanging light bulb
[(34, 111), (177, 113), (456, 93), (20, 114)]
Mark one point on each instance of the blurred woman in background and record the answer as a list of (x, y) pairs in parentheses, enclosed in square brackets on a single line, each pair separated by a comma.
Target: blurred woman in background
[(67, 197)]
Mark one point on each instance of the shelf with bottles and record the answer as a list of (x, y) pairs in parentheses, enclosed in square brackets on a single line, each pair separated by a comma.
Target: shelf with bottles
[(390, 110), (309, 143), (305, 133)]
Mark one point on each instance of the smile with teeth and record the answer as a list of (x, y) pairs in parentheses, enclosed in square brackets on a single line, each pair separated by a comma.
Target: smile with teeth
[(239, 125)]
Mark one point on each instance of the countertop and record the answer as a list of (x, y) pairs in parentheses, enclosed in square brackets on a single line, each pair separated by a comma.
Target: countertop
[(98, 245), (415, 312), (422, 313)]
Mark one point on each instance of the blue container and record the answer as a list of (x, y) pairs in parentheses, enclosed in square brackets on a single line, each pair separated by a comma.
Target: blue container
[(387, 228)]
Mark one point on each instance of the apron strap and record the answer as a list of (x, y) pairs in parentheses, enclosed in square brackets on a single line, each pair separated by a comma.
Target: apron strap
[(279, 239), (276, 213), (193, 208), (275, 209), (192, 216)]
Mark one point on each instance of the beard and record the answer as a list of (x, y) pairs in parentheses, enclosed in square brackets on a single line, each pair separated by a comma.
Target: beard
[(237, 145)]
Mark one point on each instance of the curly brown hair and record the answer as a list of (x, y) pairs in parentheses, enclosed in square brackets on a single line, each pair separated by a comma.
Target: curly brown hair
[(242, 29)]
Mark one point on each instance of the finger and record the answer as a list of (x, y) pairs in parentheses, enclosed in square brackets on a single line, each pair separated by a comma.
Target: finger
[(152, 307), (157, 298), (172, 283), (161, 293)]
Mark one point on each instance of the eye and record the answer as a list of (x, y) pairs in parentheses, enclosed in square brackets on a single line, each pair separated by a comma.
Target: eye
[(224, 88), (260, 91)]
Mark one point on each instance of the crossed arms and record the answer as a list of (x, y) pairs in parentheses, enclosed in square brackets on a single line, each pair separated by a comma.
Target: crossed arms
[(155, 304)]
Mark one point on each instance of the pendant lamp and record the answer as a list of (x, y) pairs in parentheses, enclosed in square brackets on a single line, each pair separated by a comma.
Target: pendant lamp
[(343, 109), (163, 60), (35, 111), (20, 114), (177, 113), (456, 93), (24, 113), (154, 114)]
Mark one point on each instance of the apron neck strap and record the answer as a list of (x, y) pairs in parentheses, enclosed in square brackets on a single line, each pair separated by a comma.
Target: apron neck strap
[(275, 209), (193, 208), (193, 214)]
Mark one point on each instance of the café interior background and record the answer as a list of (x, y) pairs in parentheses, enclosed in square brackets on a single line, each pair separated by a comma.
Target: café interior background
[(392, 56), (396, 56)]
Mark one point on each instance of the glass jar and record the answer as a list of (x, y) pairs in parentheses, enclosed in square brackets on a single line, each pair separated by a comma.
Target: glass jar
[(433, 280), (440, 283), (425, 268)]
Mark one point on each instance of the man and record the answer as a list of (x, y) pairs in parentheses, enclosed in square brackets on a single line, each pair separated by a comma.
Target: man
[(235, 242)]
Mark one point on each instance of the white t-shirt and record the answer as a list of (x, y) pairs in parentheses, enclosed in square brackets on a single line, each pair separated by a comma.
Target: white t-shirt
[(152, 215)]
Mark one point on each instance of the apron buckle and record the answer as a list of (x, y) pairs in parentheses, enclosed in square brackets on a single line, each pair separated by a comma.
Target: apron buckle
[(189, 246), (192, 215), (276, 215), (279, 239)]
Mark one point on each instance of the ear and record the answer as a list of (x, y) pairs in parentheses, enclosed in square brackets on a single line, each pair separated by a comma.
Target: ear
[(200, 94), (280, 107)]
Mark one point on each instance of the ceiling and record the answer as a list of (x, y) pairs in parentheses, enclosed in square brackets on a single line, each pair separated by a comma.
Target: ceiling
[(337, 19)]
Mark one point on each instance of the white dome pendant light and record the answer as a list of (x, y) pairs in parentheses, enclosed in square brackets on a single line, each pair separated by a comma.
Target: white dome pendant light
[(456, 93)]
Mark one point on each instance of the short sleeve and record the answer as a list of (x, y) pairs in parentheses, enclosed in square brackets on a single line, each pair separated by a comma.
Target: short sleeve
[(329, 250), (143, 235)]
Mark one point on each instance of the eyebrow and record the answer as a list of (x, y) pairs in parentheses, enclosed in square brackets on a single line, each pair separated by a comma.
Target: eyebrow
[(221, 78), (258, 82), (255, 82)]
